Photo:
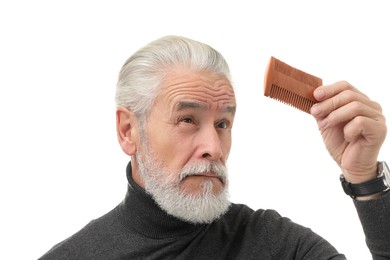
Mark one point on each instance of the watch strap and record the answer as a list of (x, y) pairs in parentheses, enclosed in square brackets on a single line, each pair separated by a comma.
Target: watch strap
[(363, 189)]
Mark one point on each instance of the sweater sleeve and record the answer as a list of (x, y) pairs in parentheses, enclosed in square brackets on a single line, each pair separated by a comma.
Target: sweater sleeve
[(289, 240), (375, 218)]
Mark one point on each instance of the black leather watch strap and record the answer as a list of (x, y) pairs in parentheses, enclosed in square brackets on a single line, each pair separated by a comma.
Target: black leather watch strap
[(363, 189)]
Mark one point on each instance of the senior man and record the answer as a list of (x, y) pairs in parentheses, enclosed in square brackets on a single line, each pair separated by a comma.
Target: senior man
[(175, 113)]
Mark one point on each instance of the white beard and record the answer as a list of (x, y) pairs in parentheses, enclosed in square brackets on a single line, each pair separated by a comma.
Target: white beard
[(164, 186)]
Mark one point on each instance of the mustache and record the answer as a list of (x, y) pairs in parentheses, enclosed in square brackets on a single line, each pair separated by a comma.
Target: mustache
[(204, 167)]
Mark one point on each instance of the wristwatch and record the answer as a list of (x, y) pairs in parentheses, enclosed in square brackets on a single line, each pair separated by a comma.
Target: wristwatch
[(380, 184)]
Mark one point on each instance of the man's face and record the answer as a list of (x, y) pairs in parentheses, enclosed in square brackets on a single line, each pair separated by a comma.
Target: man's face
[(191, 122)]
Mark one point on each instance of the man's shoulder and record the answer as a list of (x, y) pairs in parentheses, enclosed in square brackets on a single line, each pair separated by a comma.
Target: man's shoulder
[(242, 216), (86, 241)]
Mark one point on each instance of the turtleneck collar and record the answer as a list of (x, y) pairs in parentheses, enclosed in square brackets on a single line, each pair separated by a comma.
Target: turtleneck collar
[(141, 213)]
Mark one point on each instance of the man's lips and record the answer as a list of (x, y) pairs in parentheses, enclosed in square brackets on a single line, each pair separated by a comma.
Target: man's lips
[(207, 175)]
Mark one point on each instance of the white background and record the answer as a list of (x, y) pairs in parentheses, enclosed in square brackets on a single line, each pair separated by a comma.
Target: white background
[(60, 163)]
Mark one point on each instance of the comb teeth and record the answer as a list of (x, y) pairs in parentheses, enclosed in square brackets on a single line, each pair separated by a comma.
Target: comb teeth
[(290, 85), (290, 98)]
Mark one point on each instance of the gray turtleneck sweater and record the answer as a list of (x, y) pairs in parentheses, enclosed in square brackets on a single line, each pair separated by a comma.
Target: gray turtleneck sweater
[(139, 229)]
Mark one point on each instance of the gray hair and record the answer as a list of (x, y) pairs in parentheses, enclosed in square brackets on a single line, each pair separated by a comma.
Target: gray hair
[(141, 75)]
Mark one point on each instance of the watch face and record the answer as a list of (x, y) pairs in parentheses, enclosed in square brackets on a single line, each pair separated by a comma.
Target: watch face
[(386, 173)]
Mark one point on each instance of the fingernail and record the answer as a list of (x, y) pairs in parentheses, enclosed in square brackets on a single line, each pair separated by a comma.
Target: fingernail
[(319, 94), (315, 110)]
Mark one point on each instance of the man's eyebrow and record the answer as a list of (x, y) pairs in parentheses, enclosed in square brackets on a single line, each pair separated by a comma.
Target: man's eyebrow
[(229, 109), (182, 105)]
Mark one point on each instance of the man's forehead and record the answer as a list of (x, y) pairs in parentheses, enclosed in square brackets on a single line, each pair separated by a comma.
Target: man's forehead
[(197, 90)]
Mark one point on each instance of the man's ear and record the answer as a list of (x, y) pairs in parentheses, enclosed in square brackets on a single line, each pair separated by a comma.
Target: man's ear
[(127, 130)]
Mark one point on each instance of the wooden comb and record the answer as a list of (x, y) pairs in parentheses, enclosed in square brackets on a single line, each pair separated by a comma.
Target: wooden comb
[(290, 85)]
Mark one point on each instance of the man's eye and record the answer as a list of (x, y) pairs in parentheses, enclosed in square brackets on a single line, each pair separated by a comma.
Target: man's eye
[(223, 125), (187, 120)]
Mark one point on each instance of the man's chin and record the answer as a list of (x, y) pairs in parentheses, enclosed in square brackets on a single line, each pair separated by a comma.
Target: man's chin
[(197, 209)]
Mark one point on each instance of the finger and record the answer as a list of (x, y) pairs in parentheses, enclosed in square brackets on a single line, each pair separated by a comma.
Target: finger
[(325, 107), (348, 112), (327, 91), (373, 131)]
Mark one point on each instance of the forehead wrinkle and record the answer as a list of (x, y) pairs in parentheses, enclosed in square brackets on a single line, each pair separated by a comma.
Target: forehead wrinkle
[(203, 93), (197, 100), (199, 90)]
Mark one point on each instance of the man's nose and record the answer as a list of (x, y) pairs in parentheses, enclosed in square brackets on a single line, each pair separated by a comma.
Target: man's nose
[(210, 144)]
